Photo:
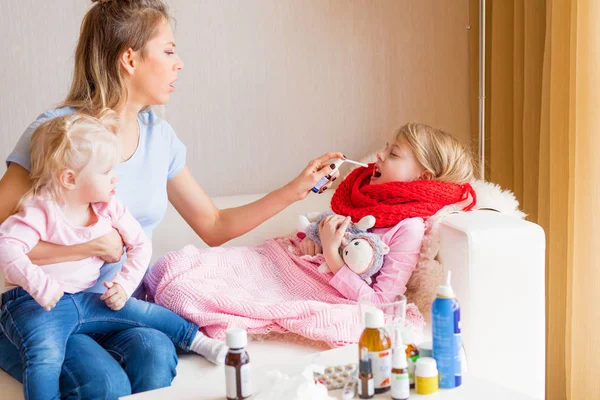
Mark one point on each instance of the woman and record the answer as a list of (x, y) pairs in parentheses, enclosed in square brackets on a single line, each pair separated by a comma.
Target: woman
[(125, 60)]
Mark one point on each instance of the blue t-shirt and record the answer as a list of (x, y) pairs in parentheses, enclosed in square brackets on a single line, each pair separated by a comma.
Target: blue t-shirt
[(142, 185)]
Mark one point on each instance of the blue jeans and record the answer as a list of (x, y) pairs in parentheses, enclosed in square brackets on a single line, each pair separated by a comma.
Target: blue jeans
[(42, 337)]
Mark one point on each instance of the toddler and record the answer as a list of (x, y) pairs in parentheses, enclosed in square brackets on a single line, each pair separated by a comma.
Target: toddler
[(72, 201)]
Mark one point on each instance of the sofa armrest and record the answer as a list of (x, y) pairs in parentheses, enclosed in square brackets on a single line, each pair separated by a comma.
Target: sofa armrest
[(498, 274)]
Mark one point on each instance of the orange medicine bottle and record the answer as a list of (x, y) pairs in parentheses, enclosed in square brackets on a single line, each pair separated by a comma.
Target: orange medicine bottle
[(378, 343)]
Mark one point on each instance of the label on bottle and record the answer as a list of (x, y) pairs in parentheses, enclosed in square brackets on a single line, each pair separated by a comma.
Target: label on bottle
[(370, 387), (445, 324), (231, 381), (381, 362), (400, 386)]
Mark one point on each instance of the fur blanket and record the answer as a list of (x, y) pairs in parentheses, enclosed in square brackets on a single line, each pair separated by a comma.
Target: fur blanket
[(421, 288)]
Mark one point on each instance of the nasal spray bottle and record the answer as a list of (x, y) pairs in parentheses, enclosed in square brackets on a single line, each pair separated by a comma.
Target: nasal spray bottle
[(445, 325), (400, 378), (337, 162)]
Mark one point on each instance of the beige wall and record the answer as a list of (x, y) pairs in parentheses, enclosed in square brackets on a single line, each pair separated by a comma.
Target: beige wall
[(268, 84)]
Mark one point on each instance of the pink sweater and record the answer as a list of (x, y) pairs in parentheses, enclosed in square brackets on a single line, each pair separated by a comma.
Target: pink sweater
[(42, 220), (405, 240)]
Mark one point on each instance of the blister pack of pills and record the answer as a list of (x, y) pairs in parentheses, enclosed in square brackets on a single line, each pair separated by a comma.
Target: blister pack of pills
[(336, 376)]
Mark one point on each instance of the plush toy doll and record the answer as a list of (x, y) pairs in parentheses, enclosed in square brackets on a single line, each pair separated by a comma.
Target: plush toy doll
[(361, 250)]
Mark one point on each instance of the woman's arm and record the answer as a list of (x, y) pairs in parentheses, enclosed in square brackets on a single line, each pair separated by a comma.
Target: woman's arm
[(13, 185), (108, 247), (216, 226)]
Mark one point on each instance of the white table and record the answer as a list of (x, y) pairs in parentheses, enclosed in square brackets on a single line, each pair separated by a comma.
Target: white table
[(211, 385)]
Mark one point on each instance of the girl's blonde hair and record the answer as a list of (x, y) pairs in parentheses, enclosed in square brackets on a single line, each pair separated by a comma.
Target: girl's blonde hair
[(109, 28), (70, 142), (439, 153)]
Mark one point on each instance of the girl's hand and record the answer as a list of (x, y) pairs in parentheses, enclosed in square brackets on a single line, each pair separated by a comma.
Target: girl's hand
[(309, 247), (115, 297), (109, 247), (301, 186), (331, 231)]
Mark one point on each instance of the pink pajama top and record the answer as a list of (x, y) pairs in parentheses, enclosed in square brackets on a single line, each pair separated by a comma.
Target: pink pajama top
[(42, 220), (405, 240)]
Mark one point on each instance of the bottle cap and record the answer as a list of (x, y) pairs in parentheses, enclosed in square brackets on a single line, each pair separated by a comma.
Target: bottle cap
[(399, 357), (426, 349), (446, 290), (374, 318), (236, 338), (426, 367)]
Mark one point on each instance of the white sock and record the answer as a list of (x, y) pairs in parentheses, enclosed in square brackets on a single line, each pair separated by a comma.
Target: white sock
[(211, 349)]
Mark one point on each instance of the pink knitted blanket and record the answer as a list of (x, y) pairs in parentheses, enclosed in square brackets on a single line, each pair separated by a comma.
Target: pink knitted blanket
[(263, 289)]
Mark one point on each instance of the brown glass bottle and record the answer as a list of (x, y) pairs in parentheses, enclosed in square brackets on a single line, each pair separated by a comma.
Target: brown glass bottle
[(378, 343), (237, 366)]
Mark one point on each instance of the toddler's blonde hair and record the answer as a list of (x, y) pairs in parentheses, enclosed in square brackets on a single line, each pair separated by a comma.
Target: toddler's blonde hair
[(439, 153), (70, 142)]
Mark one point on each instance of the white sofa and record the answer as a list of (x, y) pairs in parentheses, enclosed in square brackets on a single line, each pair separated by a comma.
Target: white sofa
[(497, 265)]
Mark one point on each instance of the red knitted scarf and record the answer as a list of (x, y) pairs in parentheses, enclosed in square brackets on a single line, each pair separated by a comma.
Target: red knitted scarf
[(392, 202)]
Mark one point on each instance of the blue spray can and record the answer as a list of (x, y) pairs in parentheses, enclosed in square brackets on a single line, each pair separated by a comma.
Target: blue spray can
[(445, 325)]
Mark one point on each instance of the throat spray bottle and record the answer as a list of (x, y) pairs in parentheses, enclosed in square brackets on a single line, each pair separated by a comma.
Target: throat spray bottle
[(445, 325)]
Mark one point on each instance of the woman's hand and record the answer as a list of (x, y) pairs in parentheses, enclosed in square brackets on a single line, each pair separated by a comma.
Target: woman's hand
[(309, 247), (109, 247), (331, 231), (314, 171)]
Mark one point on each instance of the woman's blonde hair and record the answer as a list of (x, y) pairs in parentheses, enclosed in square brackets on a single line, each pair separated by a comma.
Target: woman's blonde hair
[(440, 153), (70, 142), (109, 28)]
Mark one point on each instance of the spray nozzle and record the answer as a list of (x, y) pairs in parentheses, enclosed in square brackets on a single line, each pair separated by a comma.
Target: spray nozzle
[(398, 339), (337, 162), (364, 354), (364, 366), (446, 289)]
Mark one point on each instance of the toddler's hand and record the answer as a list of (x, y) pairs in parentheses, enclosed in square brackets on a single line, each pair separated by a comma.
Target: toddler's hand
[(309, 247), (55, 299), (115, 297)]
